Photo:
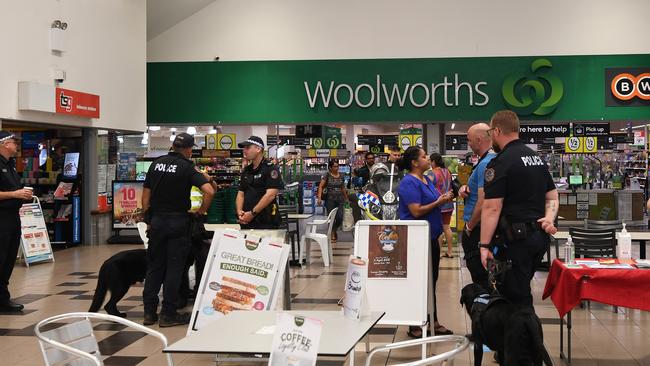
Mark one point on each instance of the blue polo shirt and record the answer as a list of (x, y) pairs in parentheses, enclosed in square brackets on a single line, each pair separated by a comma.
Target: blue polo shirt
[(475, 182), (412, 190)]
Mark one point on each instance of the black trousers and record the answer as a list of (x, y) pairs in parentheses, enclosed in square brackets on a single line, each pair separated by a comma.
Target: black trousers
[(473, 257), (525, 256), (169, 246), (9, 242), (338, 220), (435, 258)]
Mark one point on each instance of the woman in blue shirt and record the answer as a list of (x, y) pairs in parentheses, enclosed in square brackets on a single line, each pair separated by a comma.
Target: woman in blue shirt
[(420, 200)]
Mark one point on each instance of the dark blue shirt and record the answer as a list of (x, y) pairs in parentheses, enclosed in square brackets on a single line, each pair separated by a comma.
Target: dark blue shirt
[(413, 190)]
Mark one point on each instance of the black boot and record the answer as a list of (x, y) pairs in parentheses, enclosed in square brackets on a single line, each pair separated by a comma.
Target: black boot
[(11, 307)]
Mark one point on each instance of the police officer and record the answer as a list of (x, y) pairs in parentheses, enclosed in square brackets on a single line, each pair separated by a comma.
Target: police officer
[(521, 201), (258, 188), (12, 195), (166, 202), (473, 193)]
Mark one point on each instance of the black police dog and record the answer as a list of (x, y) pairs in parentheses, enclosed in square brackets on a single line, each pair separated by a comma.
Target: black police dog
[(116, 275), (513, 331)]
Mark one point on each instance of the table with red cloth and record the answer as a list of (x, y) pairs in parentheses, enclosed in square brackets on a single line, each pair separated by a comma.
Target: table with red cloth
[(567, 287)]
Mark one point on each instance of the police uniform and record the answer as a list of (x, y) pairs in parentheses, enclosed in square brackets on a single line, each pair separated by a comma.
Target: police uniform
[(9, 225), (254, 182), (170, 179), (519, 176)]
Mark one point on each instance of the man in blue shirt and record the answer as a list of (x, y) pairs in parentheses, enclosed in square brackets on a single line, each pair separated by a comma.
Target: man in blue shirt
[(480, 143)]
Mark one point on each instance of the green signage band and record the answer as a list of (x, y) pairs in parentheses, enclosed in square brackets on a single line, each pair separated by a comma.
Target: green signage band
[(561, 88)]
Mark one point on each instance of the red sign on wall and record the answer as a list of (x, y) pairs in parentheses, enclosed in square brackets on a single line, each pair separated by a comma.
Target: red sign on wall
[(77, 103)]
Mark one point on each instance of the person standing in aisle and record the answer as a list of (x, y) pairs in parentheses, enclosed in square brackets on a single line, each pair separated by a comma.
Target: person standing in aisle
[(441, 177), (364, 171), (521, 201), (259, 186), (166, 202), (420, 200), (480, 143), (12, 195), (394, 154), (332, 190)]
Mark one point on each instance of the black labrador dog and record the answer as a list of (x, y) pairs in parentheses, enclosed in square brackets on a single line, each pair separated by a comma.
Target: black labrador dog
[(513, 331)]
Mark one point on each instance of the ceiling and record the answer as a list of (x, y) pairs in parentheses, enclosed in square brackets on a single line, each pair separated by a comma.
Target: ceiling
[(164, 14)]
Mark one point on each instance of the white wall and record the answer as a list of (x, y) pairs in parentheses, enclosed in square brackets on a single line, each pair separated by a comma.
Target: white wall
[(343, 29), (106, 43)]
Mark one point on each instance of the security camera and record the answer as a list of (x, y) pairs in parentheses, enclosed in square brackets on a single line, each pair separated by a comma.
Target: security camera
[(216, 58)]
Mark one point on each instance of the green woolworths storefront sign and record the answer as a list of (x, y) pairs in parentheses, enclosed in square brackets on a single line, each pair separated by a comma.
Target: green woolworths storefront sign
[(445, 89)]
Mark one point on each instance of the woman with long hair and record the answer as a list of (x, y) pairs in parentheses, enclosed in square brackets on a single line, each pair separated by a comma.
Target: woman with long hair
[(420, 200), (441, 177), (332, 191)]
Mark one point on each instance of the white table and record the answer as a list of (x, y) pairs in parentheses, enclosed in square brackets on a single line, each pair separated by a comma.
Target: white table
[(215, 227), (236, 334), (637, 236)]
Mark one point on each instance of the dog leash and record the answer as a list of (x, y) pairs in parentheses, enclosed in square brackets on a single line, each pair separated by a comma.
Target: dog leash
[(495, 269)]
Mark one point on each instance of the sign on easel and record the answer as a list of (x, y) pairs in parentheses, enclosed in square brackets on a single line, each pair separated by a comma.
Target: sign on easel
[(295, 341), (404, 299), (243, 272), (34, 239)]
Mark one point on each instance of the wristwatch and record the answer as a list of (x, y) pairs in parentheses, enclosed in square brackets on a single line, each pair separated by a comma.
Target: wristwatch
[(253, 212), (481, 245)]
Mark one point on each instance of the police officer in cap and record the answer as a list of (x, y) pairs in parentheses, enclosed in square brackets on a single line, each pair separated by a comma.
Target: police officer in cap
[(520, 204), (258, 188), (12, 195), (166, 202)]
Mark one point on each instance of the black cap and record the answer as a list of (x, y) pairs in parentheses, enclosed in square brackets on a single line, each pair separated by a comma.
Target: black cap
[(184, 140), (6, 135), (253, 140)]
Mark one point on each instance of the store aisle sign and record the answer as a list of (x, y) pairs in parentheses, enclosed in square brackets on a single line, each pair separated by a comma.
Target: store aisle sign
[(76, 103), (579, 145), (226, 141), (639, 138)]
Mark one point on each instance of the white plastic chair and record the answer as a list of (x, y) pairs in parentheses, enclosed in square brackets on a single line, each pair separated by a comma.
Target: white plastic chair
[(142, 230), (461, 345), (323, 240), (75, 344)]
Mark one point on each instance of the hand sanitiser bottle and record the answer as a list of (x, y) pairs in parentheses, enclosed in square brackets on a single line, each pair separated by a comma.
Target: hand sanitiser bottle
[(569, 253), (624, 244)]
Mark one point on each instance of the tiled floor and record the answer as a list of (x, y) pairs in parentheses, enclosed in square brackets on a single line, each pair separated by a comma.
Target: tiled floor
[(601, 337)]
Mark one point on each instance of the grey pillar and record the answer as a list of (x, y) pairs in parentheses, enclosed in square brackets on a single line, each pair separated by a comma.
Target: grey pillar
[(89, 183)]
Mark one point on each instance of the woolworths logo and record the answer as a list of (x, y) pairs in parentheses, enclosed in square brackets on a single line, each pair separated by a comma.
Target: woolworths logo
[(537, 93), (449, 91)]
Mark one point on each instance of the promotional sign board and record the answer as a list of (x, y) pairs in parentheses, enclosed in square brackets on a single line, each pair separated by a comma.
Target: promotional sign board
[(35, 241), (127, 204), (295, 341), (77, 103), (387, 252), (226, 141), (241, 273)]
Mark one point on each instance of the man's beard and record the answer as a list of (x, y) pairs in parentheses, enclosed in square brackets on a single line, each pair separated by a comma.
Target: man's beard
[(496, 147)]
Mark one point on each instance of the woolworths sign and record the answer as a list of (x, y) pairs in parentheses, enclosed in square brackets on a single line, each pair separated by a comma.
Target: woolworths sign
[(444, 93), (388, 90)]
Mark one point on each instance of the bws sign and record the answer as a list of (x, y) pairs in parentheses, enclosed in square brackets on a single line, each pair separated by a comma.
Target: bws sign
[(627, 87)]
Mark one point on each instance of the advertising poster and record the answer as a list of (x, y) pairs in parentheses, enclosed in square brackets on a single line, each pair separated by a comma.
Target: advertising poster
[(387, 251), (295, 341), (127, 204), (241, 276), (35, 240)]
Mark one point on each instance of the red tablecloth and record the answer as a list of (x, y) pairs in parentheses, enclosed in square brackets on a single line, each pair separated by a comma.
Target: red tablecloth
[(628, 288)]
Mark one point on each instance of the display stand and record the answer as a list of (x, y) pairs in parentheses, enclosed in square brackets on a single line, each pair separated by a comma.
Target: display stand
[(127, 211), (406, 300), (34, 240), (215, 265)]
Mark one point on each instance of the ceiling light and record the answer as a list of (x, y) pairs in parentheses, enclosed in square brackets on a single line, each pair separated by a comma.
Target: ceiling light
[(120, 139), (154, 128), (453, 125), (173, 129), (191, 130)]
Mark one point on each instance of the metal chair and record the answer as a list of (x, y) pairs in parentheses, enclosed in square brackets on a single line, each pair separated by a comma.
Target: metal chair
[(75, 344), (593, 243), (461, 344), (323, 240)]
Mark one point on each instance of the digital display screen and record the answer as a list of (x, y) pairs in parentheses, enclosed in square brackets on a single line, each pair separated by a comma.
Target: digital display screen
[(575, 179), (71, 165)]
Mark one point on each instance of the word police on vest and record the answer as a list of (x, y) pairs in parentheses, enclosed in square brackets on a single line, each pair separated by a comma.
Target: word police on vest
[(160, 167), (532, 160)]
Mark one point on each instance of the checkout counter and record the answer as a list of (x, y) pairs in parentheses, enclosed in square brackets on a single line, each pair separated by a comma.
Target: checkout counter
[(601, 204)]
